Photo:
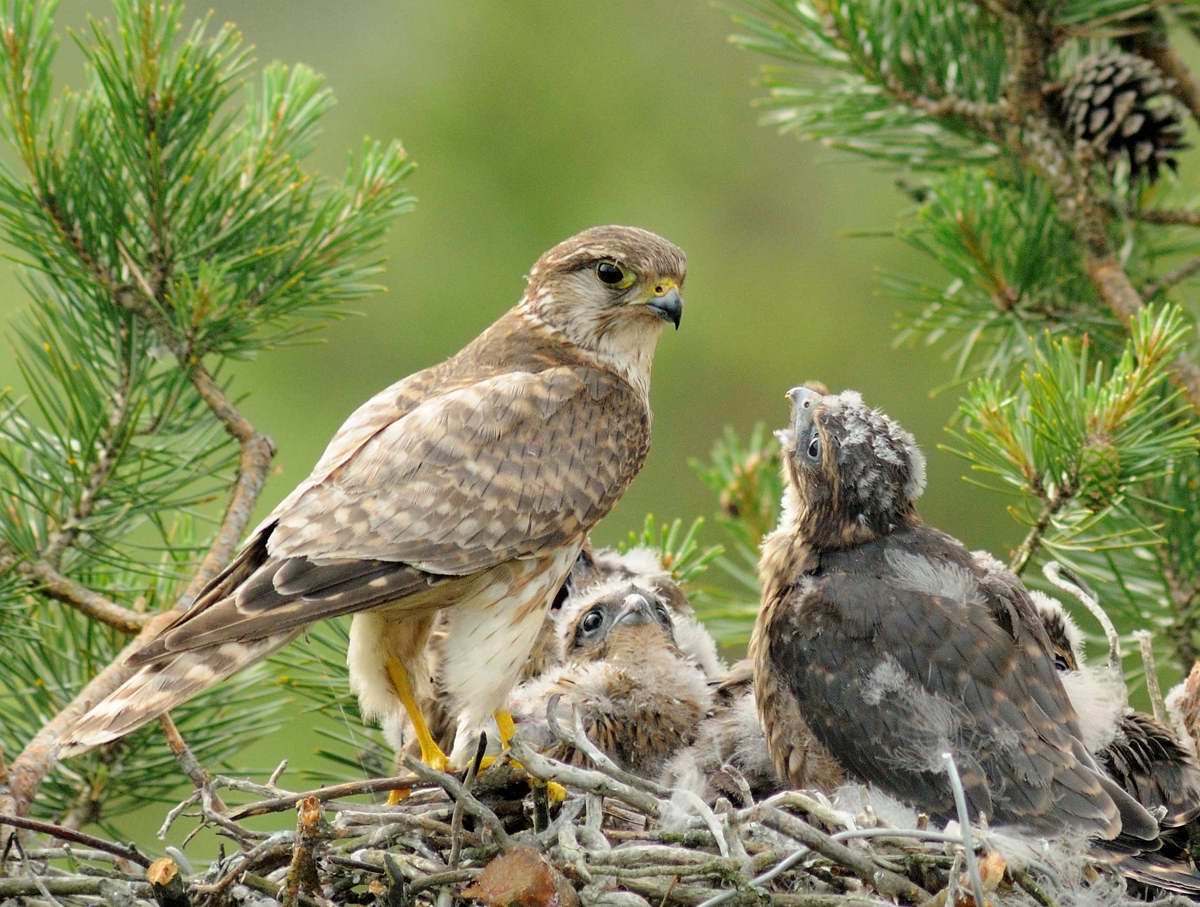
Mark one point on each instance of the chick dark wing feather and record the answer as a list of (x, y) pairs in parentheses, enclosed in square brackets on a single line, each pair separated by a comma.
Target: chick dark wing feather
[(893, 658), (1148, 761)]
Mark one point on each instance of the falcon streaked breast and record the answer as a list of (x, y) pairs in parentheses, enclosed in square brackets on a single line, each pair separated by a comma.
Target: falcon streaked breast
[(897, 646), (468, 487)]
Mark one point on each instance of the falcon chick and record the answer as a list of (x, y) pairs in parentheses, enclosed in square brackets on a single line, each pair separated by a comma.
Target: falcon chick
[(1140, 753), (592, 568), (469, 487), (640, 695), (731, 747), (897, 646)]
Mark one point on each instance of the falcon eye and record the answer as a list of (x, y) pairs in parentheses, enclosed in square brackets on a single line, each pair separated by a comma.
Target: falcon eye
[(814, 448), (612, 274), (592, 621), (1060, 662), (662, 614)]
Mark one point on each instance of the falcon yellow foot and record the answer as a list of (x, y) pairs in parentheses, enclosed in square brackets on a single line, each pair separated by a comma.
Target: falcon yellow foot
[(507, 728), (431, 753)]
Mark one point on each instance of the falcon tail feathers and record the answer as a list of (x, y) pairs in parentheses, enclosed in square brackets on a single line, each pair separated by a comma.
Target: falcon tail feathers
[(160, 686)]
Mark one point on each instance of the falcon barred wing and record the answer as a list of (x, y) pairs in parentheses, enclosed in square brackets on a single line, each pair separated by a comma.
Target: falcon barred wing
[(897, 642), (273, 601), (509, 467)]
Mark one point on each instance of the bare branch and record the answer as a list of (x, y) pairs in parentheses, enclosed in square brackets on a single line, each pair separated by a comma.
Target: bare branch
[(190, 764), (1033, 539), (889, 883), (302, 873), (455, 789), (1167, 217), (1153, 690), (585, 779), (332, 792), (1171, 278), (132, 854)]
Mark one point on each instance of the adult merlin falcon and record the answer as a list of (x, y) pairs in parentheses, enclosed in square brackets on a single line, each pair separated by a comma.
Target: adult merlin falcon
[(896, 645), (468, 487)]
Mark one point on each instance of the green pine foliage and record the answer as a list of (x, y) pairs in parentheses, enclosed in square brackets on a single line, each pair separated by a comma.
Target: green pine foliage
[(744, 477), (1061, 291), (679, 550), (167, 224)]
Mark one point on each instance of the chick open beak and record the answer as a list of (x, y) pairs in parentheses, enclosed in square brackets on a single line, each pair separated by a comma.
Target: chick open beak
[(667, 304)]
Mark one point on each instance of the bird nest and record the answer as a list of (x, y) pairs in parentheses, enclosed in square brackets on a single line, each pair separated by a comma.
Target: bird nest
[(504, 837)]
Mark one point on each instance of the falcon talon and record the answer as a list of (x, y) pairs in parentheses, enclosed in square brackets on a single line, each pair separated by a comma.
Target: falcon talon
[(398, 795)]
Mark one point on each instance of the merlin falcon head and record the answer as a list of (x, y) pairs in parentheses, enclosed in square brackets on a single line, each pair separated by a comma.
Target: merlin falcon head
[(609, 285), (853, 472)]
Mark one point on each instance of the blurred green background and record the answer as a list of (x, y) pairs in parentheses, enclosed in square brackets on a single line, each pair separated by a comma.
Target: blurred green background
[(531, 120)]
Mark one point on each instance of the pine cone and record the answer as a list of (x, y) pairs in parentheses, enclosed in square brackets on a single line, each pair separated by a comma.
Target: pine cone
[(1120, 104)]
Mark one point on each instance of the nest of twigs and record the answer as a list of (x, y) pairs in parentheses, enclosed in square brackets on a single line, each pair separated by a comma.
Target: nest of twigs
[(500, 838)]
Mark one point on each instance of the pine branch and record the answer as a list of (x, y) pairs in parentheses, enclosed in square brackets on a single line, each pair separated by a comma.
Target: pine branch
[(919, 54), (256, 449), (1171, 278), (1152, 42), (191, 233), (26, 772), (1044, 145), (1033, 540), (1078, 445), (61, 588)]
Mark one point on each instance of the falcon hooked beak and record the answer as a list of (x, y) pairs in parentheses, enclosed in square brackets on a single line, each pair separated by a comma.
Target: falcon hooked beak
[(803, 401), (637, 611), (665, 301)]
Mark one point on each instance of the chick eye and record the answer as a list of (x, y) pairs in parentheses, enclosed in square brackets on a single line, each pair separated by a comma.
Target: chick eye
[(592, 621), (613, 275), (663, 615), (814, 448)]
